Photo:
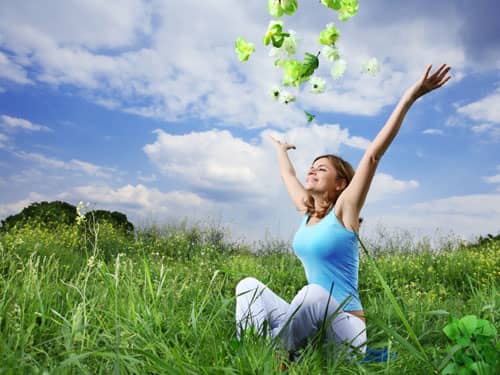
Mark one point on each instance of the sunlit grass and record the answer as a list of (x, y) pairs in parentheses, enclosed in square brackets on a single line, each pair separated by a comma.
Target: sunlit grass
[(163, 302)]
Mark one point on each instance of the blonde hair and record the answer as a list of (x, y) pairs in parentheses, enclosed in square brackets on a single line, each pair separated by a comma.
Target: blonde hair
[(345, 171)]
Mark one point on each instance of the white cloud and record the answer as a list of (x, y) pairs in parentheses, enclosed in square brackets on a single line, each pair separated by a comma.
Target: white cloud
[(492, 179), (217, 161), (16, 207), (433, 131), (384, 185), (12, 71), (138, 198), (93, 24), (485, 109), (19, 123), (3, 141), (179, 75), (465, 216), (72, 165), (477, 204)]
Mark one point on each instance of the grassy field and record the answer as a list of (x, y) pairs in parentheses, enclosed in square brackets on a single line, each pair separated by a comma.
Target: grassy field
[(162, 301)]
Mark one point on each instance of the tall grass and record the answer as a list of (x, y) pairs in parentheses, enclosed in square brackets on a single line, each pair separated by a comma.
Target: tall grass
[(163, 302)]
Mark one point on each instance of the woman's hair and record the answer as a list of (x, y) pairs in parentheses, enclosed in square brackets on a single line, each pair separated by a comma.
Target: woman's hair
[(344, 172)]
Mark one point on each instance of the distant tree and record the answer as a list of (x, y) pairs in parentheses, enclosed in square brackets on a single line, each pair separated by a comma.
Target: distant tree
[(56, 213), (115, 218), (49, 214)]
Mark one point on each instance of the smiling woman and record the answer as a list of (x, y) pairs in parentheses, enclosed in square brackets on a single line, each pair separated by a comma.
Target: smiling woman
[(326, 243)]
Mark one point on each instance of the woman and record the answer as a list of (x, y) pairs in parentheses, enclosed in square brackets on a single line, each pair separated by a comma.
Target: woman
[(331, 201)]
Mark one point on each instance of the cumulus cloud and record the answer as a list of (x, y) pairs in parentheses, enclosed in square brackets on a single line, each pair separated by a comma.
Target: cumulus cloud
[(12, 71), (142, 57), (485, 109), (19, 123), (138, 198), (384, 185), (465, 216), (74, 165), (15, 207), (217, 161)]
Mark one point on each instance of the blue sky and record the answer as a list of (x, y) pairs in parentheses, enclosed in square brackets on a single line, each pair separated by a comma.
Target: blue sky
[(143, 107)]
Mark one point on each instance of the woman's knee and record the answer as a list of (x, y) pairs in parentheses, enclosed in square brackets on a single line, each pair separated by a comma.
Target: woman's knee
[(247, 284), (312, 294)]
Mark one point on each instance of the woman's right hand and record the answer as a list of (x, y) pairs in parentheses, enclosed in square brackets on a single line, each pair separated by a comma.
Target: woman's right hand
[(281, 145)]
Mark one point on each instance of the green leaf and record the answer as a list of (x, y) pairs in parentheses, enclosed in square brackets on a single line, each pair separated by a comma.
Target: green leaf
[(348, 9), (451, 369), (329, 35), (451, 330), (310, 64), (332, 4), (310, 116), (289, 6), (485, 328), (275, 9), (292, 72), (275, 34), (468, 325), (243, 49)]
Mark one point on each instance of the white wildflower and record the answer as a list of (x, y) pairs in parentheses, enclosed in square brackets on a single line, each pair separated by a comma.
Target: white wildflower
[(338, 68), (275, 92), (318, 85), (330, 53), (371, 66), (286, 97)]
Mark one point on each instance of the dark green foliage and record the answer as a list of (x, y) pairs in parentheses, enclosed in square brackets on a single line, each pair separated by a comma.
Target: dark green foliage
[(473, 350), (52, 215), (116, 219), (49, 214)]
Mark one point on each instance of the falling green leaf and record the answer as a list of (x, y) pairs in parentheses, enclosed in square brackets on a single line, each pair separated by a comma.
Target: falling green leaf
[(275, 34), (310, 116), (329, 36), (348, 9), (244, 49)]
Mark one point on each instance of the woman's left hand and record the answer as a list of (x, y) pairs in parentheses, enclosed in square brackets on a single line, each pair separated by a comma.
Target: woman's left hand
[(428, 83)]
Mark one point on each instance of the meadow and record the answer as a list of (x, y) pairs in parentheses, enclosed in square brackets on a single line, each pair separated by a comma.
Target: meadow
[(89, 299)]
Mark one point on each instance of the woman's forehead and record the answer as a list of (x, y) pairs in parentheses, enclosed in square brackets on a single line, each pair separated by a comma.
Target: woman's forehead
[(322, 161)]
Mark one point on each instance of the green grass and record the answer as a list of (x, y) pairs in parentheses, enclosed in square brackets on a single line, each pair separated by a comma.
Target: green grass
[(163, 302)]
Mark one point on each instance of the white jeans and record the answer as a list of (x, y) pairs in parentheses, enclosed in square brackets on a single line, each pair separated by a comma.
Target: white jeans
[(298, 321)]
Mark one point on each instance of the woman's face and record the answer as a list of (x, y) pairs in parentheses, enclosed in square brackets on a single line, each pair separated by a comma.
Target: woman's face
[(322, 177)]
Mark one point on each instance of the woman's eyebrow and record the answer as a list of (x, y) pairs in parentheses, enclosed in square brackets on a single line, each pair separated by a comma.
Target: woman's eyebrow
[(320, 165)]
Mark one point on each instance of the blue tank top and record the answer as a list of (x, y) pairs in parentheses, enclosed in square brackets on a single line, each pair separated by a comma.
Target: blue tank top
[(329, 253)]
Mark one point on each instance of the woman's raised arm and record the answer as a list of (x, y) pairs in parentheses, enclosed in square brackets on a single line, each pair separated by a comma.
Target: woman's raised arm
[(353, 197), (288, 175)]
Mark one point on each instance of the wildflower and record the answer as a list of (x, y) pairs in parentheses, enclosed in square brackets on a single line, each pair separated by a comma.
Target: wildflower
[(370, 66), (318, 85), (286, 97), (275, 92), (290, 44), (243, 49), (90, 262), (80, 218), (338, 68), (288, 48), (331, 53), (329, 35)]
